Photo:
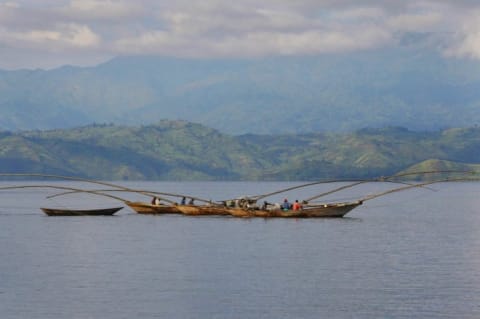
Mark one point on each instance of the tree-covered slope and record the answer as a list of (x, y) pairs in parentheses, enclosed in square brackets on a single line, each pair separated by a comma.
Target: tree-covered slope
[(179, 150)]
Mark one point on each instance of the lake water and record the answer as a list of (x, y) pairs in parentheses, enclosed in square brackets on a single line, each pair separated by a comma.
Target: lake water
[(412, 254)]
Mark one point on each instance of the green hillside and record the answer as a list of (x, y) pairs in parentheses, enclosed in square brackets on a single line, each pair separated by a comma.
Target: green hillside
[(180, 150)]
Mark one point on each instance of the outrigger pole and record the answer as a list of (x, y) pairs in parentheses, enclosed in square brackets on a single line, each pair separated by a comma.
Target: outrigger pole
[(118, 187), (95, 192), (389, 179), (355, 183), (143, 192), (370, 197)]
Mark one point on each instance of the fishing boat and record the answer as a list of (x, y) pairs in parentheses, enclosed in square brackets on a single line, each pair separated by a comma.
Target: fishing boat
[(240, 207), (330, 210), (246, 207), (147, 208), (80, 212)]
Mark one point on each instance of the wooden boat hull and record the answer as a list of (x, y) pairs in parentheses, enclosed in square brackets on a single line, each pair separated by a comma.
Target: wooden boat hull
[(214, 210), (189, 210), (80, 212), (146, 208), (206, 210)]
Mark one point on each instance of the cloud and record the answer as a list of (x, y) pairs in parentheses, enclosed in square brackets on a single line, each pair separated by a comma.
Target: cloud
[(466, 41), (307, 42), (415, 22), (221, 28), (105, 10), (238, 30), (64, 36), (255, 44)]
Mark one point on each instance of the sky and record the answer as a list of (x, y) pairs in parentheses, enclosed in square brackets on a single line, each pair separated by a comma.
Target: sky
[(50, 33)]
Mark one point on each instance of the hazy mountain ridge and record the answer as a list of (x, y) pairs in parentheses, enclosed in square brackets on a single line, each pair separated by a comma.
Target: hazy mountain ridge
[(179, 150), (274, 95)]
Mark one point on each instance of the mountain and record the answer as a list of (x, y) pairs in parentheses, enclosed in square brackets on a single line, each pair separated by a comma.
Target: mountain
[(180, 150), (421, 91), (442, 167)]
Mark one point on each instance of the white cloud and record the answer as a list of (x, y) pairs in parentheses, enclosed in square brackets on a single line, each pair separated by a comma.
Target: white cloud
[(149, 42), (415, 22), (9, 4), (466, 41), (69, 36), (255, 44), (232, 19), (239, 30), (360, 14), (308, 42), (225, 28), (81, 36), (100, 9)]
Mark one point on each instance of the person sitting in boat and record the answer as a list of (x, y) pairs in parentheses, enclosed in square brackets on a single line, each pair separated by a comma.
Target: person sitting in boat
[(155, 201), (297, 205), (191, 202), (184, 201), (265, 205), (286, 205)]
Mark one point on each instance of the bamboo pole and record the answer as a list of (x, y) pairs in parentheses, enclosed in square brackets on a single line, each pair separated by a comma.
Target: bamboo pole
[(370, 197), (356, 182), (95, 192), (120, 187)]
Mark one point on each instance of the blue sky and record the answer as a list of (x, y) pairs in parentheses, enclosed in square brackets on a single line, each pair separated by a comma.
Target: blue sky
[(47, 34)]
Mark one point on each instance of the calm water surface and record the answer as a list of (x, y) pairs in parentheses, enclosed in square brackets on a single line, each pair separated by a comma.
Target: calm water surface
[(413, 254)]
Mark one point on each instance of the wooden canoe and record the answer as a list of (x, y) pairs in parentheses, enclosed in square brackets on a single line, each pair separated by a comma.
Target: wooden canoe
[(309, 211), (146, 208), (330, 210), (323, 210), (80, 212)]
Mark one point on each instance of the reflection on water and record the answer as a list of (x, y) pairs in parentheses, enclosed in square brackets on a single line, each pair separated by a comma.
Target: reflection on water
[(407, 255)]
